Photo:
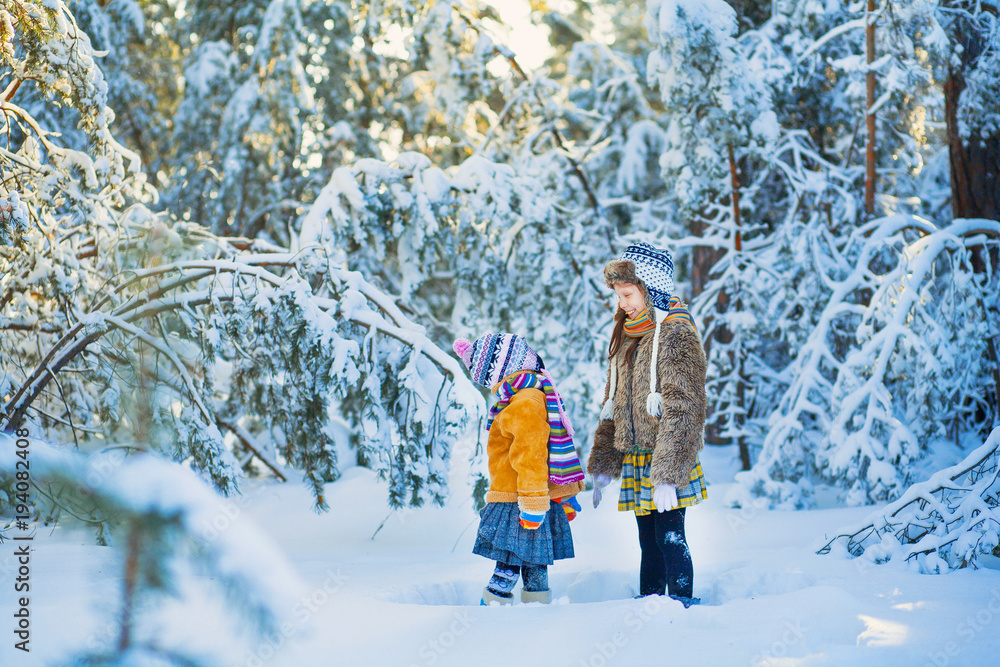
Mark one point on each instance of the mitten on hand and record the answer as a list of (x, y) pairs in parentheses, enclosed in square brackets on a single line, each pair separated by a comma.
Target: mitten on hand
[(531, 520), (571, 506), (600, 481), (665, 497)]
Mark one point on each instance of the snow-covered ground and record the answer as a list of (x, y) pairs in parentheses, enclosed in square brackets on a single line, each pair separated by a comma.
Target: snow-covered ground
[(410, 595)]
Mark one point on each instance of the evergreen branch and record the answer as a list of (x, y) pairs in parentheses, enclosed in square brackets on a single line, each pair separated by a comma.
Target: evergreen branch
[(250, 442)]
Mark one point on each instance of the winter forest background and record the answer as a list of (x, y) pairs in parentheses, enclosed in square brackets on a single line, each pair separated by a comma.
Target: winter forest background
[(241, 236)]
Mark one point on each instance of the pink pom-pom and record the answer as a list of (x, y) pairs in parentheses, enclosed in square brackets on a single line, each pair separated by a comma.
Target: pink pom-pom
[(462, 348)]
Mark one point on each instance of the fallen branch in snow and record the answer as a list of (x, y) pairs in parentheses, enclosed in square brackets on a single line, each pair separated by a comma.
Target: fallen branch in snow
[(946, 522)]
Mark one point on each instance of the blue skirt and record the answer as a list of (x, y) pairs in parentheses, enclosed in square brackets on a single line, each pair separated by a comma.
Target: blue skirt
[(502, 538)]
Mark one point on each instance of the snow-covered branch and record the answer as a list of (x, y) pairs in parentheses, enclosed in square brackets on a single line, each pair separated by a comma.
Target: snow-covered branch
[(847, 415), (946, 522)]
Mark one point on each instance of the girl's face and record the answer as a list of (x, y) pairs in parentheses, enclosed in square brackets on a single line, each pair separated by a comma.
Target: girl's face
[(630, 299)]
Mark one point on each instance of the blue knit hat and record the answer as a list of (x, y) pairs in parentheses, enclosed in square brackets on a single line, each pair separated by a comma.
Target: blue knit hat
[(655, 268)]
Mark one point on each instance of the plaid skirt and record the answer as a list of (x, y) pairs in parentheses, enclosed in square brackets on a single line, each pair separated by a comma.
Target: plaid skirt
[(637, 491), (502, 538)]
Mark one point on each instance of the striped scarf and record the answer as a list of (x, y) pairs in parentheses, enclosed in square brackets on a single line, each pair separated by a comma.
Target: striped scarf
[(678, 311), (640, 326), (564, 464), (643, 323)]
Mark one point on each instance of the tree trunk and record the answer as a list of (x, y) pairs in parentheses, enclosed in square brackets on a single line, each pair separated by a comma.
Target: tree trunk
[(975, 172), (869, 114), (975, 163), (130, 582), (734, 177), (703, 258), (738, 356)]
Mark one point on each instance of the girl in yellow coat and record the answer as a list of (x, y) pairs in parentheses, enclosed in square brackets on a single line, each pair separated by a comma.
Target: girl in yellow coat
[(535, 473)]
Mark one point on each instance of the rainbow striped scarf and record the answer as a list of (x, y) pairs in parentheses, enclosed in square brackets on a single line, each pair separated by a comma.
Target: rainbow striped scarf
[(564, 464), (678, 311), (643, 323), (640, 326)]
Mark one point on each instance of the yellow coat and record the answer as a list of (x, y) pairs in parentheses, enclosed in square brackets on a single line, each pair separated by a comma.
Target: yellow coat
[(518, 451)]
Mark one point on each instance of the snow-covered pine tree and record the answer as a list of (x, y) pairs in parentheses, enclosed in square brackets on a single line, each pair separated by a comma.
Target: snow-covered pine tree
[(239, 129), (274, 104), (163, 522), (920, 376), (942, 381), (811, 405), (794, 200), (719, 140), (129, 314)]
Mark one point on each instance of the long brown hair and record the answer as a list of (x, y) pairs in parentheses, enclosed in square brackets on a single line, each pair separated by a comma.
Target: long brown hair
[(618, 333), (618, 338)]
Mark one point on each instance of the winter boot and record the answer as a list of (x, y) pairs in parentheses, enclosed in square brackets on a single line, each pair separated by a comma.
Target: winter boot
[(489, 597), (545, 597), (502, 583), (536, 584)]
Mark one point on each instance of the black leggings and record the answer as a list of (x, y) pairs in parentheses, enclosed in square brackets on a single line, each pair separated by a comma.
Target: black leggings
[(666, 560)]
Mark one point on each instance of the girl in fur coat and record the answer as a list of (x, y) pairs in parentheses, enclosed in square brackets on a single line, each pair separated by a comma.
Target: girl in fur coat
[(653, 417), (535, 473)]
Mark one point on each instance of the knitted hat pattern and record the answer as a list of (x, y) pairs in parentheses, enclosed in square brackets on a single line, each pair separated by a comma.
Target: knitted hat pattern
[(493, 356), (655, 268)]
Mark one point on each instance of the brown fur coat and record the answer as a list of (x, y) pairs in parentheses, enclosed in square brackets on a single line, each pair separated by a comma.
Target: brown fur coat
[(676, 436)]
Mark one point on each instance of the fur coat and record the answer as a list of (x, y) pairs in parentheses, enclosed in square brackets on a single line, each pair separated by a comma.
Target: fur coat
[(676, 436)]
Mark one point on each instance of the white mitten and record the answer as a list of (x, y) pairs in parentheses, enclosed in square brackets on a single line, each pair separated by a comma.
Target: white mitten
[(665, 497)]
